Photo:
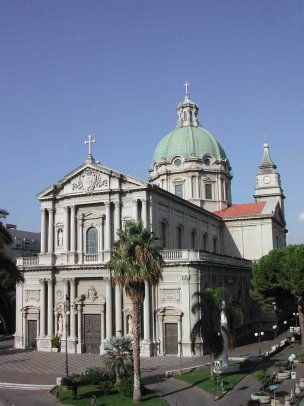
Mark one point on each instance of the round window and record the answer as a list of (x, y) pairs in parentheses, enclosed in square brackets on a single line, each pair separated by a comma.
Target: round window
[(178, 162), (207, 161)]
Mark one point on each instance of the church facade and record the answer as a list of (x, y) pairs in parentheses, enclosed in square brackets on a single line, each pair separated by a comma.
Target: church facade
[(206, 241)]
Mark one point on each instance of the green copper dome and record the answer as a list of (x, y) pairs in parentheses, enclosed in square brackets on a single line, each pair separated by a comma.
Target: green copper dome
[(188, 142)]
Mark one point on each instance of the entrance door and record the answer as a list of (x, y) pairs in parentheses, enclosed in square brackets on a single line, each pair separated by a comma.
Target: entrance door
[(171, 341), (92, 333), (32, 333)]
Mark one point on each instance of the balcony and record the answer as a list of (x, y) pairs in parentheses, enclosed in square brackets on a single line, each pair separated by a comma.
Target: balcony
[(100, 258)]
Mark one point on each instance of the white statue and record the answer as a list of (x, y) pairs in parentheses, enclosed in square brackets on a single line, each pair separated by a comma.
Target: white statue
[(130, 324), (224, 330), (60, 324)]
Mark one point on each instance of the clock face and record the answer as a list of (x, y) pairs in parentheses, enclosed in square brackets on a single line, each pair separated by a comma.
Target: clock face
[(266, 179)]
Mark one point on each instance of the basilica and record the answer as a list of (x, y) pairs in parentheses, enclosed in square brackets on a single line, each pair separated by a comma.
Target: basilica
[(205, 239)]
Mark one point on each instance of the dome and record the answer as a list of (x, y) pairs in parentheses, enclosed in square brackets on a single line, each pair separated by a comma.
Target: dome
[(188, 142)]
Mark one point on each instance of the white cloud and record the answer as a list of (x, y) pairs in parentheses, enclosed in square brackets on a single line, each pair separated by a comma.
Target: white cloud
[(301, 216)]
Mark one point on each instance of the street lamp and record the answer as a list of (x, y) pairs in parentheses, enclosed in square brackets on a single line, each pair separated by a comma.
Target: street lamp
[(275, 331), (66, 313), (296, 318), (259, 335)]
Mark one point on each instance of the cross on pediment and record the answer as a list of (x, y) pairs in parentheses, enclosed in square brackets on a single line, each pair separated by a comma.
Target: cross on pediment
[(90, 141)]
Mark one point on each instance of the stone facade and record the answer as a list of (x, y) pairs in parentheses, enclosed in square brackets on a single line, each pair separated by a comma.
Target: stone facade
[(80, 218)]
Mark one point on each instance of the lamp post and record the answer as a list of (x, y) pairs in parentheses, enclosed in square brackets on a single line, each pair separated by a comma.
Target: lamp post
[(259, 334), (296, 318), (275, 331), (66, 313)]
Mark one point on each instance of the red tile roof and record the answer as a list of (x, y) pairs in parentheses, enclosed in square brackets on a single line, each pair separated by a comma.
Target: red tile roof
[(240, 210)]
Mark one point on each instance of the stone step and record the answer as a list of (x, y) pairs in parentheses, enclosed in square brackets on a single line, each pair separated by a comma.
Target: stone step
[(25, 386)]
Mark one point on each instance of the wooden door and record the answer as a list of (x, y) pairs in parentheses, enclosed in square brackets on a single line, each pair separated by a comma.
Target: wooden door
[(32, 333), (171, 338), (92, 333)]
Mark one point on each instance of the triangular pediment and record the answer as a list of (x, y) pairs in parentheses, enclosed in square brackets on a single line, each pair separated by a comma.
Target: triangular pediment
[(91, 178)]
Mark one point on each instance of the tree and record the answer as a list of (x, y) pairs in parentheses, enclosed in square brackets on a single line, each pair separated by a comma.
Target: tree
[(119, 356), (9, 276), (279, 276), (209, 306), (136, 260), (73, 382)]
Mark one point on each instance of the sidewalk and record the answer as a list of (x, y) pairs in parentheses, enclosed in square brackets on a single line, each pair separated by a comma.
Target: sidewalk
[(32, 367)]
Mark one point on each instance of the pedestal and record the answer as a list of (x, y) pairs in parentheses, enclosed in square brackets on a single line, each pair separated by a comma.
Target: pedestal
[(146, 348), (44, 344), (19, 340), (72, 345), (72, 258)]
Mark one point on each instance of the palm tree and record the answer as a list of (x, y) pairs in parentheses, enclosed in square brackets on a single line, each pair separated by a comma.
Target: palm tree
[(136, 260), (119, 356), (9, 276), (209, 306)]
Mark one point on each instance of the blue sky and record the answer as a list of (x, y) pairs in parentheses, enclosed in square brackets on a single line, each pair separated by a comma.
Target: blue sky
[(115, 69)]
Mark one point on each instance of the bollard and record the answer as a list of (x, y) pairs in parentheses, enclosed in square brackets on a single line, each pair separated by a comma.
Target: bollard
[(93, 400)]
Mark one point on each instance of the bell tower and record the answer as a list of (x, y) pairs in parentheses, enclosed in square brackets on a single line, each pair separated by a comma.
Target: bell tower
[(268, 181)]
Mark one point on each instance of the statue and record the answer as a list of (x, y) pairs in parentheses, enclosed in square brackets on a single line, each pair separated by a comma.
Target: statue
[(130, 324), (60, 237), (60, 324)]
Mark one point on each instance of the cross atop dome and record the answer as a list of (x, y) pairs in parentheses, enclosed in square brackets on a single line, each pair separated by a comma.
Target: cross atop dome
[(186, 84), (187, 111)]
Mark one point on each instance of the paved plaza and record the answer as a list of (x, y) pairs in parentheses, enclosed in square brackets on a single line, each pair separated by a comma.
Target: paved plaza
[(21, 367)]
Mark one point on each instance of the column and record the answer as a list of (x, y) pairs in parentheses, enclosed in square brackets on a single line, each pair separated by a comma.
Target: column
[(151, 214), (43, 230), (73, 229), (65, 314), (79, 332), (50, 321), (144, 213), (135, 202), (51, 231), (118, 311), (117, 220), (42, 308), (66, 229), (108, 308), (80, 234), (101, 235), (108, 227), (147, 313), (72, 306)]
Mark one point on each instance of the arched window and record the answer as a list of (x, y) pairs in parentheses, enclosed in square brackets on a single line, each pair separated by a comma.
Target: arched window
[(179, 237), (92, 241), (214, 243), (193, 239), (163, 234), (205, 242)]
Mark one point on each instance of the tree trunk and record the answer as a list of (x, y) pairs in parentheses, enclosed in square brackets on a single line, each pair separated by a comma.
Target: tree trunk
[(136, 349), (211, 364), (74, 393), (301, 321)]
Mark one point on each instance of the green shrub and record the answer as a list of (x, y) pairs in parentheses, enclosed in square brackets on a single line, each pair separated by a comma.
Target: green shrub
[(106, 386), (125, 387), (300, 357), (55, 341), (94, 375)]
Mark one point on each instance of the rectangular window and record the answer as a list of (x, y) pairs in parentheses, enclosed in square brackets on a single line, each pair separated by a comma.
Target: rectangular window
[(208, 190), (179, 190)]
